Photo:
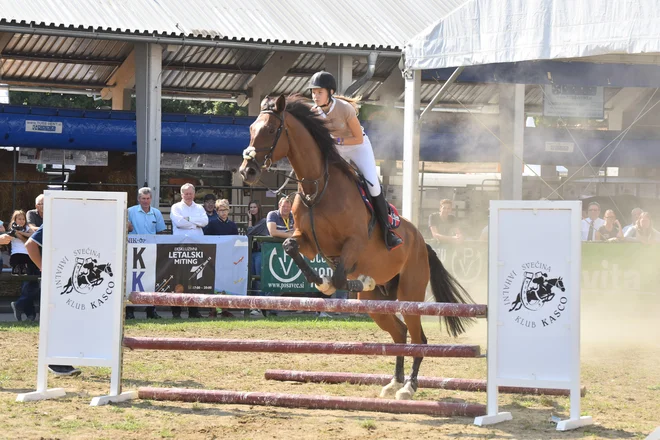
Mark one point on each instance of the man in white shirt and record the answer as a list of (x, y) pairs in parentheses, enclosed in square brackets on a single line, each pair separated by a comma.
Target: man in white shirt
[(592, 223), (188, 218)]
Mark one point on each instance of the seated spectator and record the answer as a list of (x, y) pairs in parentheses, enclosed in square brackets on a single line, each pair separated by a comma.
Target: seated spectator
[(20, 232), (643, 231), (592, 223), (35, 217), (443, 224), (280, 222), (634, 215), (611, 230)]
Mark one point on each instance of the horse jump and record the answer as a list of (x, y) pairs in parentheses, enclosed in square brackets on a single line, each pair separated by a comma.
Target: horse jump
[(298, 401), (424, 382)]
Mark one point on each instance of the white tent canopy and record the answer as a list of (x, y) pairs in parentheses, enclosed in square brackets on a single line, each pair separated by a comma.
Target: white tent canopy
[(504, 31)]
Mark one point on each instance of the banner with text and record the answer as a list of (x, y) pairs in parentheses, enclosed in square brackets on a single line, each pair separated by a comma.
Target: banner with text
[(279, 274), (177, 263)]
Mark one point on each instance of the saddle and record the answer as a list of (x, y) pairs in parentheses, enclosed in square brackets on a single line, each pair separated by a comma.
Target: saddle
[(393, 213)]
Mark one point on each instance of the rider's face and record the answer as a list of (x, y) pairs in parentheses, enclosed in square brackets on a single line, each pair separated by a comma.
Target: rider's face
[(320, 96)]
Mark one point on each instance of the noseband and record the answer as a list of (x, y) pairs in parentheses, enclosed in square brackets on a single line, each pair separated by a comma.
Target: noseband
[(250, 153)]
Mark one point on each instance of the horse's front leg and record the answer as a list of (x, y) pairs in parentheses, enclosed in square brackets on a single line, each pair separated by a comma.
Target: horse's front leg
[(292, 247), (350, 253)]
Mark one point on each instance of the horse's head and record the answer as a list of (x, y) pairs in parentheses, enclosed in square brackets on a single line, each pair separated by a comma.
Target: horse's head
[(560, 284), (267, 145), (108, 269)]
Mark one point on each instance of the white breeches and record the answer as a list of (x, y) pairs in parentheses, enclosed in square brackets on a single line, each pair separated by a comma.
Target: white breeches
[(363, 156)]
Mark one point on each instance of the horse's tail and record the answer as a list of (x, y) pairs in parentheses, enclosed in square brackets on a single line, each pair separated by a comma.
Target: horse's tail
[(447, 290)]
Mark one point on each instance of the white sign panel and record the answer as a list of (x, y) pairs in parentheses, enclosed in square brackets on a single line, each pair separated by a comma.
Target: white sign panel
[(574, 101), (4, 94), (534, 301), (178, 263), (82, 288), (43, 127)]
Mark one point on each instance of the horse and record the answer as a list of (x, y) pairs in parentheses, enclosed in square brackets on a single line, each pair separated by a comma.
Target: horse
[(86, 281), (534, 298), (332, 220)]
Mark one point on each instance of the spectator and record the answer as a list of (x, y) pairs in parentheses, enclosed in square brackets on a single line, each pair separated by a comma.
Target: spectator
[(188, 218), (634, 215), (20, 232), (256, 228), (8, 239), (643, 231), (144, 219), (592, 223), (611, 230), (280, 222), (34, 249), (443, 224), (218, 215), (219, 224), (35, 217)]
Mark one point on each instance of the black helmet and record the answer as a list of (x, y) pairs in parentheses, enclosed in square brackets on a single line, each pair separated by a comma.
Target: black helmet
[(323, 80)]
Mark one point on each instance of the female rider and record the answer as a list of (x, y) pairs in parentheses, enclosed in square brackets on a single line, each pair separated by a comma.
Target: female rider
[(352, 144)]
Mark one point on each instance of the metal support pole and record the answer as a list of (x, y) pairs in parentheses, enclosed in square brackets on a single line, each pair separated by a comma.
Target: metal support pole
[(148, 68), (410, 197)]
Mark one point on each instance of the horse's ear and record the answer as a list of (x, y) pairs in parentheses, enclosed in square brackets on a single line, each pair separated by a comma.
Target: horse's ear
[(264, 103), (280, 104)]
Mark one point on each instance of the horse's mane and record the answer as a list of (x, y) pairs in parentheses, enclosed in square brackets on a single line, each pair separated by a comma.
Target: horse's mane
[(298, 107)]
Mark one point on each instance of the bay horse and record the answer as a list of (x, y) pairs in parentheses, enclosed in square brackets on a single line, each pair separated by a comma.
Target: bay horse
[(332, 220)]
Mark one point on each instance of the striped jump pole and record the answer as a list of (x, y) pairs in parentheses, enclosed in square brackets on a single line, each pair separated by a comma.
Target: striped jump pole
[(424, 382), (442, 409), (308, 304), (262, 346)]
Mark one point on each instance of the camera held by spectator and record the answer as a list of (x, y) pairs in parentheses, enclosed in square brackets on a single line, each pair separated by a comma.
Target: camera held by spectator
[(14, 228)]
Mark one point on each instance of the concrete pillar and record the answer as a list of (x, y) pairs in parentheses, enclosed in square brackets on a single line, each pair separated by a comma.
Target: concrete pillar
[(148, 66), (410, 196), (512, 129), (341, 66)]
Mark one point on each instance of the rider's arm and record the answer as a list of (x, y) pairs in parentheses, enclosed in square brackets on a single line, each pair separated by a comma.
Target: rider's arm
[(356, 137)]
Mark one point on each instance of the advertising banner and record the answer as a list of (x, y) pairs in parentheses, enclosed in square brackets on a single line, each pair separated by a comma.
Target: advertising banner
[(279, 274), (177, 263)]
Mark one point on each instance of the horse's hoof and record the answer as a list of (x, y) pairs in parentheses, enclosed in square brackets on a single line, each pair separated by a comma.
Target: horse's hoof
[(390, 390), (405, 393), (326, 288), (368, 283)]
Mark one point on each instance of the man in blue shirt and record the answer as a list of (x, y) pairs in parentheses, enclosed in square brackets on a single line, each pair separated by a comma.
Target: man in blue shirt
[(144, 219)]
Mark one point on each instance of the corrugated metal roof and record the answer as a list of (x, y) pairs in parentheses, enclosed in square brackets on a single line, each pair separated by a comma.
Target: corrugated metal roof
[(380, 24)]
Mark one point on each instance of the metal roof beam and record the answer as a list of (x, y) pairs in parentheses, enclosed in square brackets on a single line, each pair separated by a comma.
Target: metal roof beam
[(59, 59), (392, 88), (187, 41)]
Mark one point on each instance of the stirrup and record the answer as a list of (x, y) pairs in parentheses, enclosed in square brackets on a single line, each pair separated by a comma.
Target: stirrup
[(391, 235)]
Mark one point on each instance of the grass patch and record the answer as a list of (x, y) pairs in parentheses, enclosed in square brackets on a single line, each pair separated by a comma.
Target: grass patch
[(368, 424), (129, 424)]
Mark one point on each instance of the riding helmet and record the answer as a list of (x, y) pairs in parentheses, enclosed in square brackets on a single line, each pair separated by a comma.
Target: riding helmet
[(323, 80)]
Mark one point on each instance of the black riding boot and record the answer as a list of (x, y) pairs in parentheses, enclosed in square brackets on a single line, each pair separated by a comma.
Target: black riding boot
[(380, 206)]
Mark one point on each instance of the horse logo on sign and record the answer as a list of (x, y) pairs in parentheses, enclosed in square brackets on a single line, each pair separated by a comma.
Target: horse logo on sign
[(86, 275), (536, 290)]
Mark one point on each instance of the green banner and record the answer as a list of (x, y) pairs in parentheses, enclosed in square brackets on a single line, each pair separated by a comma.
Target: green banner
[(612, 268), (279, 274)]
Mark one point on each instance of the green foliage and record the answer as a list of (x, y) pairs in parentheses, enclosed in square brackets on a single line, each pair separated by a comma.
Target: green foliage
[(181, 106)]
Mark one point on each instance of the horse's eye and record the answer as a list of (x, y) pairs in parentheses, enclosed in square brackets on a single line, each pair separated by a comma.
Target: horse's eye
[(271, 130)]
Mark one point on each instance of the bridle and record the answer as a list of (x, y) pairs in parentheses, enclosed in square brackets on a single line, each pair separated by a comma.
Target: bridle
[(250, 154)]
